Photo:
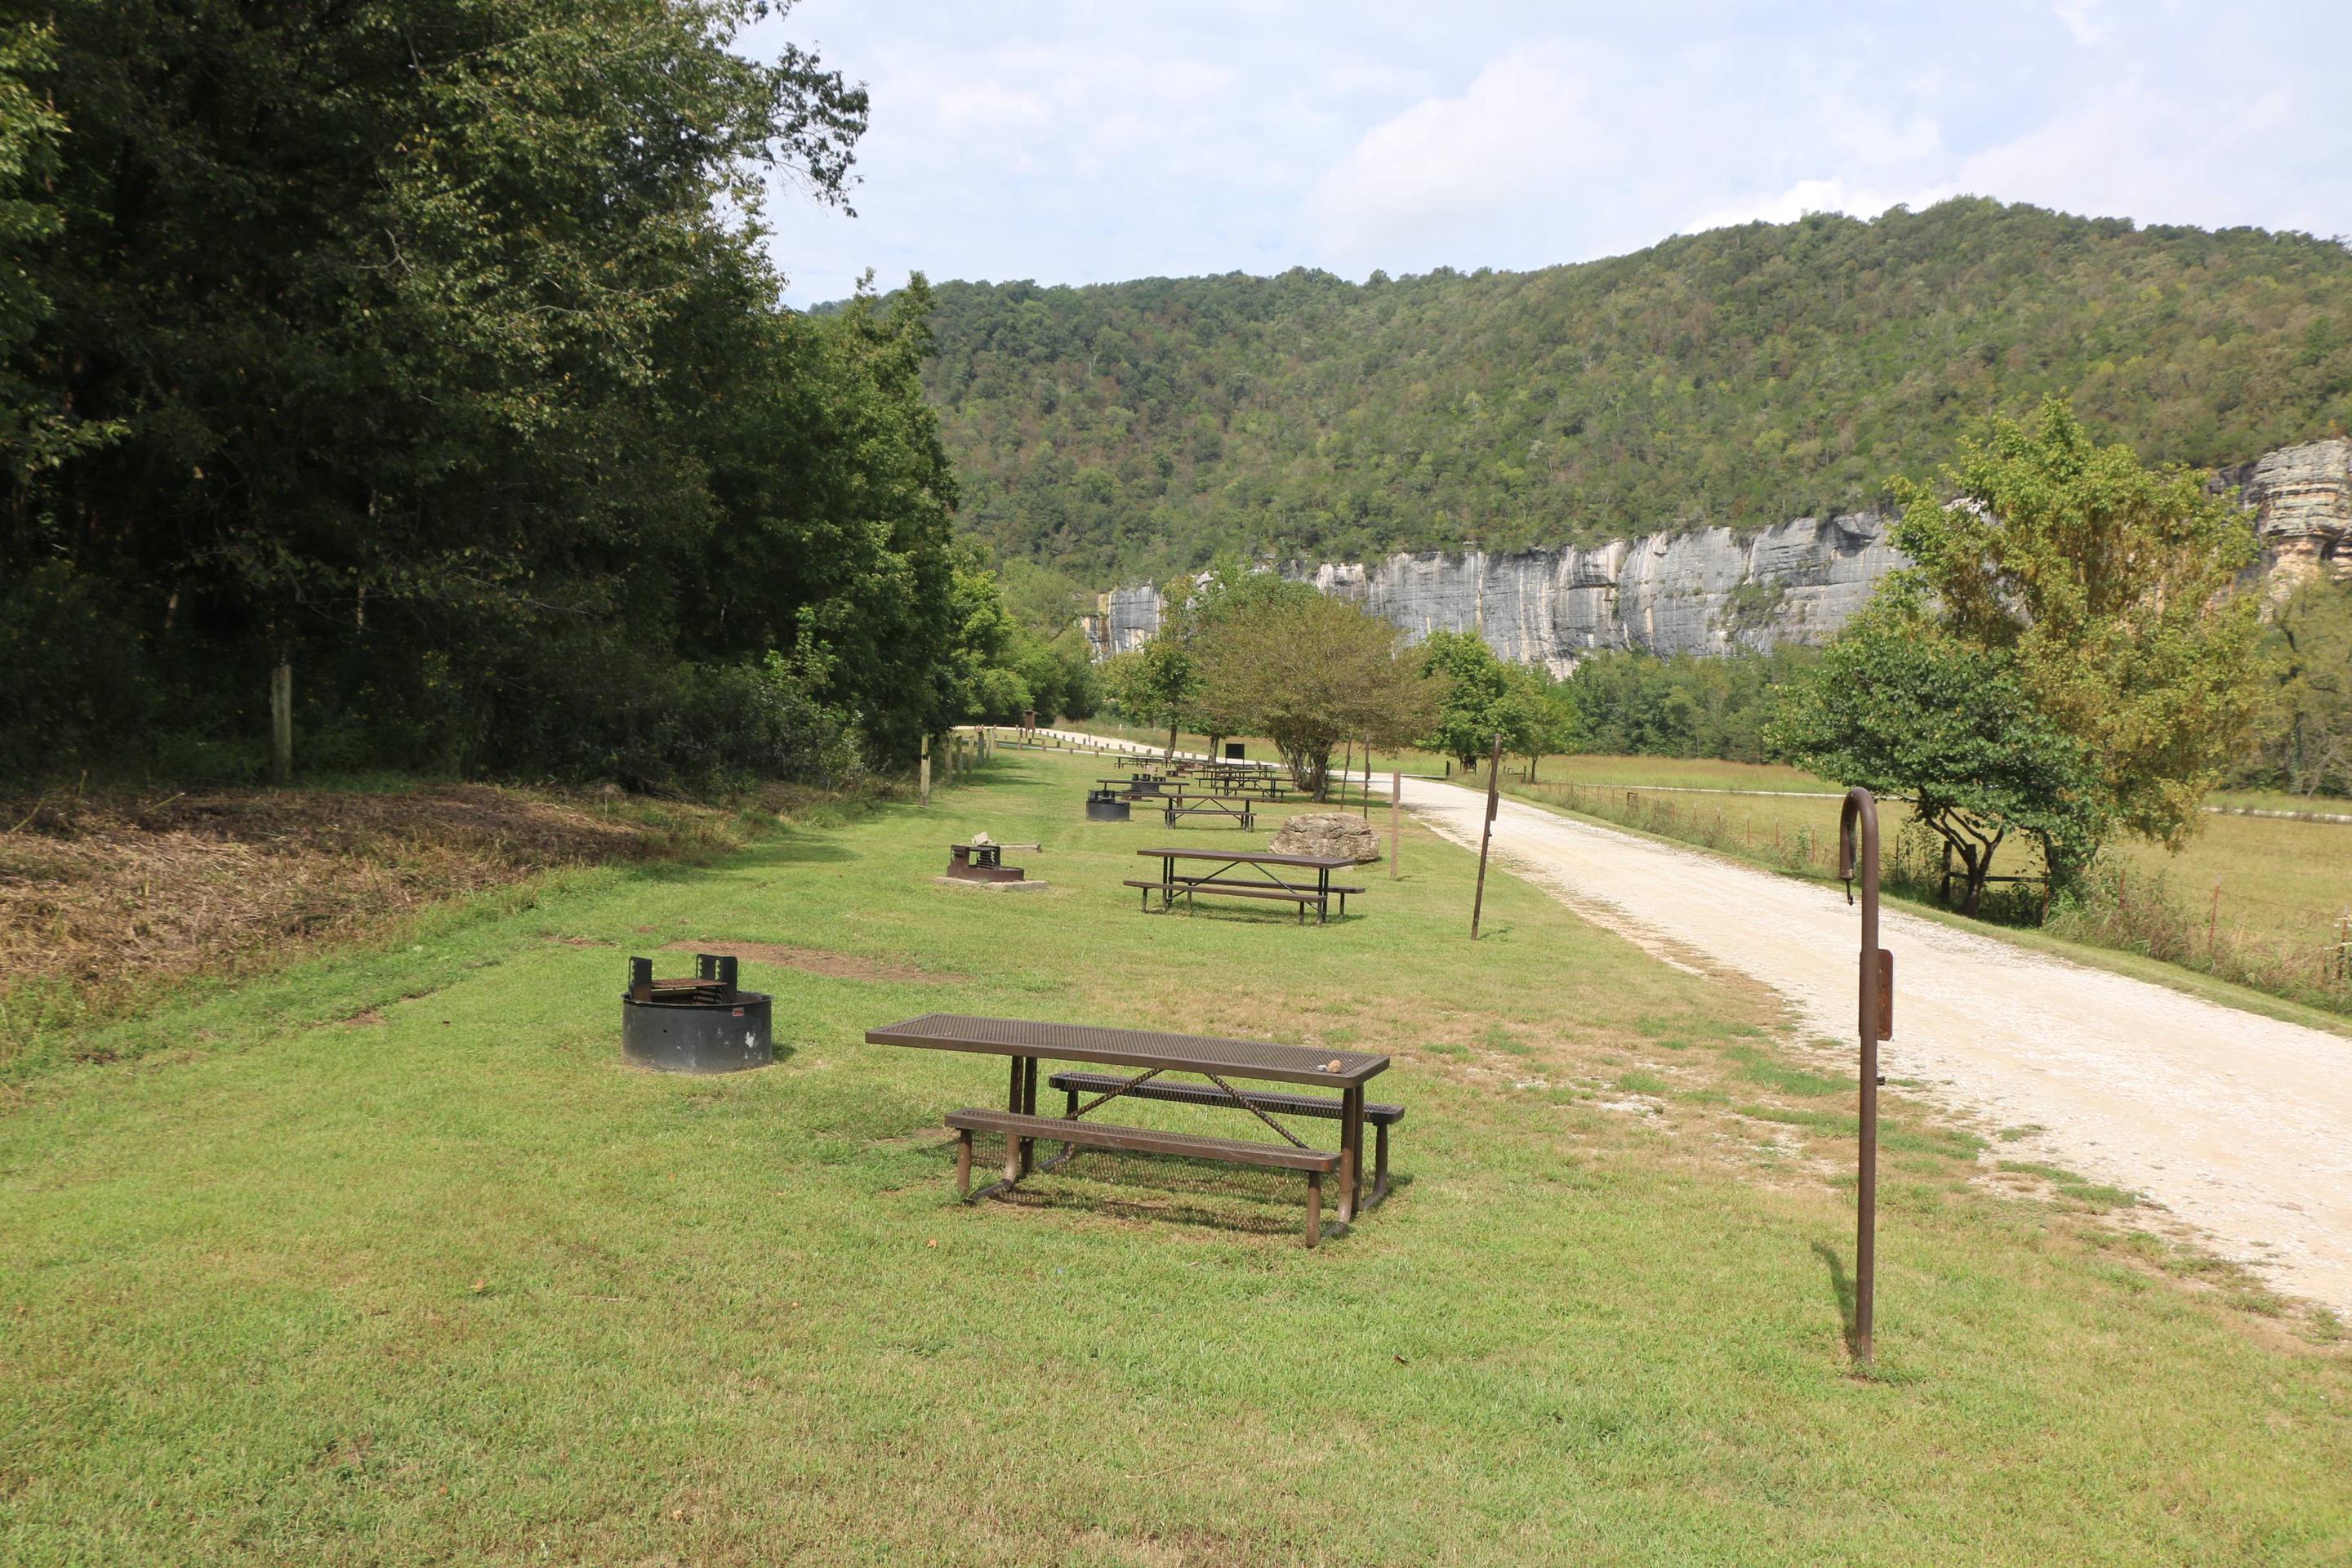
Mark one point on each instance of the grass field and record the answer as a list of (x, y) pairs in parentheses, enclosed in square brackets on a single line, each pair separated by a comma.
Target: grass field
[(387, 1258), (2279, 879)]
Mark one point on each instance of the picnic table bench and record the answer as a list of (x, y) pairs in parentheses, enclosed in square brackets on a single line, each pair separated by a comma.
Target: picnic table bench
[(1379, 1116), (1024, 1042), (1280, 880)]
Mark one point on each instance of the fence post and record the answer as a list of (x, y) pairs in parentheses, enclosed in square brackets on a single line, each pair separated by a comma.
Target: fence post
[(1487, 835), (1396, 818), (926, 770), (1875, 993)]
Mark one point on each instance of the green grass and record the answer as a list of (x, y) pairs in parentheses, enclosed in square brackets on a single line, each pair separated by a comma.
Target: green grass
[(457, 1287)]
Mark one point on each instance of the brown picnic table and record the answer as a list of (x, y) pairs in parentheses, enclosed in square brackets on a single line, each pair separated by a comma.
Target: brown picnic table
[(1282, 877), (1025, 1042)]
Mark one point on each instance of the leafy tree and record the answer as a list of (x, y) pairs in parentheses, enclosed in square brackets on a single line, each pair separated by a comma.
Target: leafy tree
[(1230, 588), (1311, 673), (1156, 683), (1631, 703), (2305, 743), (1475, 697), (1950, 729), (436, 349), (1550, 722), (2108, 588), (2067, 657)]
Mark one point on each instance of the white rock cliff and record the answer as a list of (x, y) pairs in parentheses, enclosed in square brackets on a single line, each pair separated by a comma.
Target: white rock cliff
[(1711, 591)]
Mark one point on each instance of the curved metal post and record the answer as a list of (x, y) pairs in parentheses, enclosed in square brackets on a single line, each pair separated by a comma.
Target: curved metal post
[(1862, 810)]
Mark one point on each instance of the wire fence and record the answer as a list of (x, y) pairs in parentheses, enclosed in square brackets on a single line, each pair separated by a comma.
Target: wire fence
[(2305, 956)]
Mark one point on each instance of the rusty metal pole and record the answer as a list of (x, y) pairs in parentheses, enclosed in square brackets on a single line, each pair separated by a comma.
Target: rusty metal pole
[(1487, 835), (1874, 997)]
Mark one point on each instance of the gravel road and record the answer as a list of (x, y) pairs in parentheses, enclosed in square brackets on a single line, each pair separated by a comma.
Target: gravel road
[(2237, 1124)]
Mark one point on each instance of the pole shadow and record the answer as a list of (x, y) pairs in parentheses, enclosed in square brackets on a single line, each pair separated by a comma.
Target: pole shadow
[(1841, 1284)]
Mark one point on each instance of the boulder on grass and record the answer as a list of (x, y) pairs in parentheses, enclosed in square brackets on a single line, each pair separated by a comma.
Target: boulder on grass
[(1328, 833)]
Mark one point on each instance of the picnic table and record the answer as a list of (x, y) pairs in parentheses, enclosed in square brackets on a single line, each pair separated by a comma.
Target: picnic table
[(1235, 807), (1135, 785), (1280, 878), (1025, 1042)]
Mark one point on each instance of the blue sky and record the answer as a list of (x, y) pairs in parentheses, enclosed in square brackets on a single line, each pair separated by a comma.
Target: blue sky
[(1072, 142)]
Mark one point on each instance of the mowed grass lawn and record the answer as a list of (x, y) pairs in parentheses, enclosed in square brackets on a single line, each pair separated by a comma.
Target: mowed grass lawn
[(389, 1260)]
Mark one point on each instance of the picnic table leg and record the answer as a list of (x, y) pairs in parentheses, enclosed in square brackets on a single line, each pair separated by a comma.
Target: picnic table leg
[(963, 1163), (1380, 1165), (1028, 1108), (1351, 1149), (1314, 1207)]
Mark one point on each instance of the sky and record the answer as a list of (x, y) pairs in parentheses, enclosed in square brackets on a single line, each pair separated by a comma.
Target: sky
[(1071, 141)]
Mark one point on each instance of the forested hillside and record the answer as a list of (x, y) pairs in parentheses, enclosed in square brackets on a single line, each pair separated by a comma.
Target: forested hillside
[(1739, 378)]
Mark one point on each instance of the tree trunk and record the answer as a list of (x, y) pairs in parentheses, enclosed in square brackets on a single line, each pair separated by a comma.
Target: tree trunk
[(1171, 742)]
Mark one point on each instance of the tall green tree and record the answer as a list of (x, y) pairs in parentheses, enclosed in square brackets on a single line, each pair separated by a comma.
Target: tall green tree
[(2305, 738), (1949, 729), (1156, 684), (2111, 590), (1309, 674), (2067, 656), (439, 352)]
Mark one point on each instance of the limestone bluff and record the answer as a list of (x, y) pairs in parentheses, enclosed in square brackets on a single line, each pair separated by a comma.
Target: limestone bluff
[(1711, 591)]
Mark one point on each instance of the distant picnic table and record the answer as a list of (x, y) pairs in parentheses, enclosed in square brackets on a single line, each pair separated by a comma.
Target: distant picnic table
[(1279, 877), (1025, 1042)]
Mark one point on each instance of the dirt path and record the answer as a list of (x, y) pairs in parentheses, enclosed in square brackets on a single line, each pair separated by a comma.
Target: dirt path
[(2239, 1125)]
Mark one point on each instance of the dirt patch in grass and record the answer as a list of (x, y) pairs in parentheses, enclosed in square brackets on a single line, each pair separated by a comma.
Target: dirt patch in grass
[(105, 897), (816, 960)]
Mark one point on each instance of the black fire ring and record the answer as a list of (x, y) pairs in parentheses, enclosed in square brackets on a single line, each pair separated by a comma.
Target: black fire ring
[(700, 1025)]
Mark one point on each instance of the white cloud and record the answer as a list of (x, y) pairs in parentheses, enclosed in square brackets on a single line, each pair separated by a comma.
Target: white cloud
[(1508, 142), (1072, 140), (2082, 19), (1828, 195)]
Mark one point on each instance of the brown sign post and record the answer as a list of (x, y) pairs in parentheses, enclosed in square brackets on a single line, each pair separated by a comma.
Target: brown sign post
[(1487, 835), (1876, 1004)]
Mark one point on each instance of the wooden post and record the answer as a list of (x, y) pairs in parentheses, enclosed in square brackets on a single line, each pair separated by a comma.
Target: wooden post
[(1486, 836), (926, 770), (281, 722), (1396, 819), (1874, 999)]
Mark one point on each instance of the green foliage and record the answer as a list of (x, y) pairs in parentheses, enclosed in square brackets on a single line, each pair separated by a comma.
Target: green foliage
[(435, 349), (1310, 672), (2305, 739), (2107, 588), (1631, 703), (1480, 697), (1155, 684), (1472, 685), (1948, 727), (1739, 378), (2067, 657)]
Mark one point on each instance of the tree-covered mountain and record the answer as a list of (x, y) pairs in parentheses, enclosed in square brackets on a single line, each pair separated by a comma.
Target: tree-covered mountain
[(1736, 377)]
